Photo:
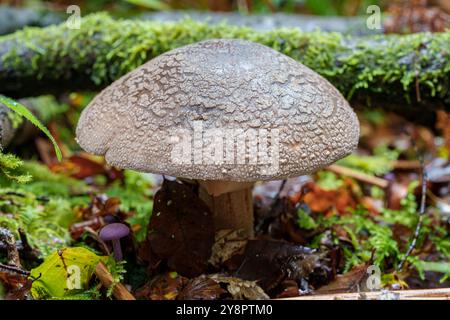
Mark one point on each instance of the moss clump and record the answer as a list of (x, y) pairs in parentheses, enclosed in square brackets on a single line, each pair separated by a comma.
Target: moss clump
[(105, 49)]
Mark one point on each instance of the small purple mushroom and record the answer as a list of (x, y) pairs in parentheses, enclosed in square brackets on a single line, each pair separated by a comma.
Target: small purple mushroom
[(114, 232)]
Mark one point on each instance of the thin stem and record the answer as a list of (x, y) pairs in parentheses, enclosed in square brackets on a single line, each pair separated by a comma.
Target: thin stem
[(420, 222), (117, 250)]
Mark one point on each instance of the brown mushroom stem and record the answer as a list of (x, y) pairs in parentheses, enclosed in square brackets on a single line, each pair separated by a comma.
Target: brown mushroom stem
[(231, 204)]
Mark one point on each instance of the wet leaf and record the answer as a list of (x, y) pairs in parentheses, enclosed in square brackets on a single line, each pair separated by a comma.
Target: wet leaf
[(281, 260), (347, 282), (181, 229), (57, 276), (241, 289), (201, 288), (227, 244)]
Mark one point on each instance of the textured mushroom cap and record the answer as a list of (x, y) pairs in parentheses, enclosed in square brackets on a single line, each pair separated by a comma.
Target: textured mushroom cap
[(141, 119), (114, 231)]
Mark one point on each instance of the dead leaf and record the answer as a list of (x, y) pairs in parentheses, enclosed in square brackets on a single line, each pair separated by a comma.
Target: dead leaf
[(289, 288), (201, 288), (165, 286), (102, 210), (324, 201), (82, 166), (347, 282), (227, 244), (181, 229), (281, 260), (241, 289), (415, 16)]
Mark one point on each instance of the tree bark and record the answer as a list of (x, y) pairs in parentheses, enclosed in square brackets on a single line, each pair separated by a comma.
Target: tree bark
[(409, 74)]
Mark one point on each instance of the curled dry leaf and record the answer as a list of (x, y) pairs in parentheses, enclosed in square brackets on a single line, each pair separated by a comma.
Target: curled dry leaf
[(181, 229), (241, 289), (227, 244)]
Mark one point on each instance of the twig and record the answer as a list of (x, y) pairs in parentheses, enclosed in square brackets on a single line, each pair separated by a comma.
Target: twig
[(14, 269), (425, 294), (107, 280), (421, 214), (406, 164), (379, 182)]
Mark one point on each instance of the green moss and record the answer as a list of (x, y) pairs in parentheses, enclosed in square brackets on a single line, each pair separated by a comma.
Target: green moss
[(11, 169), (106, 49), (44, 222)]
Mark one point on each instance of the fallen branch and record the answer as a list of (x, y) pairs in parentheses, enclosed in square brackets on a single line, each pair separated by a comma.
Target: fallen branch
[(119, 290), (426, 294), (379, 182), (379, 71)]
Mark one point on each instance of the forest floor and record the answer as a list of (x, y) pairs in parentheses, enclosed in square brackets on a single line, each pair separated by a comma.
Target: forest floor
[(347, 228)]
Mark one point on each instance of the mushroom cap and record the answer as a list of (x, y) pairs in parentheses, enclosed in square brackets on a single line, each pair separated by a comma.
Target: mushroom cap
[(114, 231), (220, 88)]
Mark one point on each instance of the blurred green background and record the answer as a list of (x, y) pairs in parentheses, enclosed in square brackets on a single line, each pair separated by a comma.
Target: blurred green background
[(315, 7)]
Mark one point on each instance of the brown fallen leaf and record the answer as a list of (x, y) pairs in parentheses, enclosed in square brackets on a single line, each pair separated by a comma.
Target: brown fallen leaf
[(181, 230), (281, 260), (83, 165), (166, 286), (227, 244), (347, 282), (320, 200), (16, 286), (241, 289), (201, 288), (100, 211), (289, 289)]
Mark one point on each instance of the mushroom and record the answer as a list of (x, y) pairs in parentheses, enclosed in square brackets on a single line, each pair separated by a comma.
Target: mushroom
[(114, 232), (225, 113)]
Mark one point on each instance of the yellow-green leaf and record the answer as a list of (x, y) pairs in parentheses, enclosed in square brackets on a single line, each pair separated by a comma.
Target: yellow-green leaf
[(64, 273)]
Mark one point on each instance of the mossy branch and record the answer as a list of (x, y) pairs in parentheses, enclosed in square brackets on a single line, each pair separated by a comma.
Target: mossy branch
[(407, 73)]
